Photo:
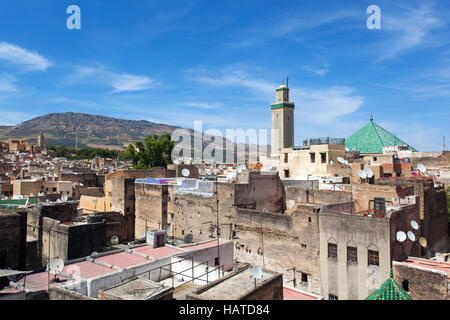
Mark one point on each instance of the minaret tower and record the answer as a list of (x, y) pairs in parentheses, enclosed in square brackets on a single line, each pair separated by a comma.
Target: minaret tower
[(282, 121)]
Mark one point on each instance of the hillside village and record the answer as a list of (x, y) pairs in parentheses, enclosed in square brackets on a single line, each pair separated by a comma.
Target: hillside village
[(327, 218)]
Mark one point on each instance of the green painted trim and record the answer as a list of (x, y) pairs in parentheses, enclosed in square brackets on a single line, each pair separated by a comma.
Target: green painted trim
[(282, 89), (282, 105)]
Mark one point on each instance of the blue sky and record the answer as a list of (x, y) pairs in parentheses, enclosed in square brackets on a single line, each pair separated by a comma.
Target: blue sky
[(175, 62)]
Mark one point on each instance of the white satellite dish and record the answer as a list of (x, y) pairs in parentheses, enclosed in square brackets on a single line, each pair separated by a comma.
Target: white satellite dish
[(176, 161), (368, 172), (345, 161), (421, 168), (257, 272), (185, 172), (411, 236), (362, 174), (114, 240), (55, 266), (401, 236), (347, 149), (340, 160), (414, 225)]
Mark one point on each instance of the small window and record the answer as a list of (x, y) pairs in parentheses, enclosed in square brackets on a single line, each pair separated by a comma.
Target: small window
[(332, 251), (332, 297), (198, 214), (304, 277), (374, 158), (303, 245), (182, 232), (286, 173), (286, 157), (373, 258), (380, 205), (216, 261), (323, 157), (352, 254), (313, 157), (309, 219), (405, 285)]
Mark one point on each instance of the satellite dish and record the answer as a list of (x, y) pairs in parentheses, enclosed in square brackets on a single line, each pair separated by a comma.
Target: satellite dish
[(411, 236), (414, 225), (114, 240), (188, 238), (362, 174), (368, 172), (345, 161), (55, 266), (347, 149), (185, 172), (340, 160), (423, 242), (401, 236), (257, 272), (421, 168), (176, 161), (94, 254), (400, 192)]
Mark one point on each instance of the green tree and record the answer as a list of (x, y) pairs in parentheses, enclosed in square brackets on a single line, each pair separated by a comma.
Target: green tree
[(155, 151)]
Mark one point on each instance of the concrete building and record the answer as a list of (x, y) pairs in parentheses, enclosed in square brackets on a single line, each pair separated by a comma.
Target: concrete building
[(356, 250), (423, 279)]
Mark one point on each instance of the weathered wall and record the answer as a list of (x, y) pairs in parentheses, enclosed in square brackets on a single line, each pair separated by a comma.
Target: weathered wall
[(151, 207), (13, 233), (123, 200), (353, 280), (424, 284)]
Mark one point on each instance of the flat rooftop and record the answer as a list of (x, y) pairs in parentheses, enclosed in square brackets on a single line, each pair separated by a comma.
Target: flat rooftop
[(429, 264), (233, 287), (137, 289), (295, 294)]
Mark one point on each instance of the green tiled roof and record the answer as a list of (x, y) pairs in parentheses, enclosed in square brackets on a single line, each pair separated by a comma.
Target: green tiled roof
[(19, 202), (389, 290), (372, 138)]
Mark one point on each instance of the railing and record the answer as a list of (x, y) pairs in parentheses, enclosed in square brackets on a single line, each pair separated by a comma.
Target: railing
[(327, 140)]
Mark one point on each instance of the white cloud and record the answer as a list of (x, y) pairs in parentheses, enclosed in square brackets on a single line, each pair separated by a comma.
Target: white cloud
[(316, 105), (203, 105), (120, 82), (129, 82), (410, 29), (7, 83), (11, 118), (31, 61), (232, 78), (325, 105)]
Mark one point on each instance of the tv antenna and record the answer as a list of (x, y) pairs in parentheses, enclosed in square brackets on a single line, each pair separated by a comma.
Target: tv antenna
[(411, 236), (257, 273), (368, 172), (401, 236), (414, 225), (185, 172), (362, 174), (423, 242), (114, 240), (422, 169)]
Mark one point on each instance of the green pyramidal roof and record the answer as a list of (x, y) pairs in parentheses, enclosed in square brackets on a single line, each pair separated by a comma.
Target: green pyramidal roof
[(389, 290), (372, 138)]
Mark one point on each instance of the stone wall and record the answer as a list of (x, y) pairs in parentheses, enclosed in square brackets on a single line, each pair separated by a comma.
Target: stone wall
[(12, 240), (423, 283)]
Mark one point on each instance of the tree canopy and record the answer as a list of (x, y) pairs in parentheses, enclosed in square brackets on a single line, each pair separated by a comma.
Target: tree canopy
[(155, 151)]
